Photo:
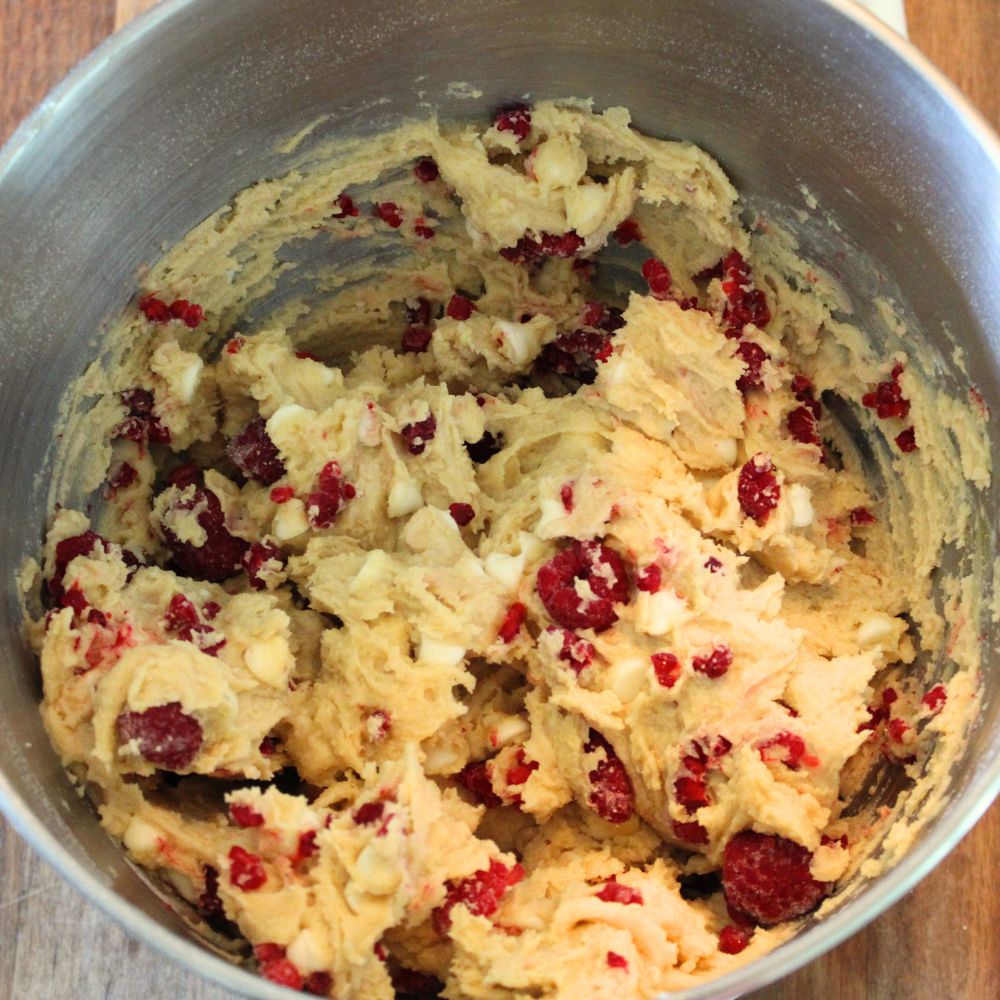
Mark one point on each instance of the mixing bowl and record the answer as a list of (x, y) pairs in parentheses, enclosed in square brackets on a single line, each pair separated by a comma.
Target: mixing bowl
[(163, 123)]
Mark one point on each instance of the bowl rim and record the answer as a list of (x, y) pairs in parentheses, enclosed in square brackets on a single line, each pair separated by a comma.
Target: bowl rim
[(941, 839)]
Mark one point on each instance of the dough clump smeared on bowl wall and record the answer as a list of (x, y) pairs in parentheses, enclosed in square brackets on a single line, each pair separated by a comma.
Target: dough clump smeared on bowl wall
[(530, 653)]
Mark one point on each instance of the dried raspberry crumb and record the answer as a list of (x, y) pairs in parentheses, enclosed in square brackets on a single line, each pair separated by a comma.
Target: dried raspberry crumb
[(616, 961), (424, 231), (886, 399), (611, 795), (712, 564), (332, 493), (140, 424), (481, 893), (166, 735), (667, 668), (906, 441), (459, 307), (210, 905), (627, 232), (282, 972), (898, 728), (658, 278), (935, 698), (345, 207), (154, 309), (244, 815), (370, 812), (426, 170), (715, 664), (475, 776), (757, 489), (181, 613), (282, 494), (691, 792), (417, 434), (614, 891), (318, 984), (189, 313), (649, 578), (462, 513), (516, 118), (753, 356), (254, 453), (234, 345), (522, 769), (767, 877), (246, 870), (597, 565), (561, 245), (744, 303), (390, 213), (256, 558), (307, 846), (220, 556), (512, 622), (791, 751), (577, 652), (732, 940), (691, 833)]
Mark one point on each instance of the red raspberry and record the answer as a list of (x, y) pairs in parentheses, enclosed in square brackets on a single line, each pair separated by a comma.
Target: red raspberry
[(649, 579), (188, 313), (282, 972), (767, 877), (886, 399), (390, 213), (211, 609), (459, 307), (593, 314), (475, 776), (757, 489), (332, 493), (219, 558), (732, 940), (906, 441), (369, 813), (614, 892), (658, 278), (516, 118), (616, 961), (667, 668), (154, 309), (744, 303), (627, 232), (576, 355), (244, 815), (234, 345), (611, 795), (246, 870), (462, 513), (898, 728), (167, 736), (792, 751), (512, 622), (481, 892), (254, 560), (690, 833), (426, 171), (601, 567), (318, 984), (802, 426), (345, 207), (253, 452), (935, 698), (753, 356), (417, 434), (714, 664)]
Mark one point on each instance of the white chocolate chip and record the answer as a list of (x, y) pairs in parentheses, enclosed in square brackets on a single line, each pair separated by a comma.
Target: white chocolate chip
[(558, 163), (441, 760), (188, 379), (551, 524), (518, 342), (506, 570), (282, 417), (510, 729), (436, 653), (373, 572), (289, 520), (377, 871), (724, 451), (404, 498), (308, 953), (800, 499), (142, 838), (876, 629), (659, 613), (628, 676), (269, 660), (586, 207)]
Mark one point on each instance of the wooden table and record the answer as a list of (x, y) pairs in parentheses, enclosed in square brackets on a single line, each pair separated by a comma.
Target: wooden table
[(939, 943)]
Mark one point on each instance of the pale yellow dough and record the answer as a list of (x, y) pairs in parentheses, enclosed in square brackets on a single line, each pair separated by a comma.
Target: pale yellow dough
[(371, 660)]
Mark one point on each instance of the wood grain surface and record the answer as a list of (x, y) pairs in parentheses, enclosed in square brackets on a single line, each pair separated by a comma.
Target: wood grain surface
[(939, 943)]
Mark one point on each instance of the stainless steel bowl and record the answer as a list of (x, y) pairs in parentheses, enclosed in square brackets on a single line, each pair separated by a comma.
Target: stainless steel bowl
[(165, 121)]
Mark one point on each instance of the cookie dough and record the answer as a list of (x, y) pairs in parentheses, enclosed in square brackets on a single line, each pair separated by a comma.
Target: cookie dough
[(533, 654)]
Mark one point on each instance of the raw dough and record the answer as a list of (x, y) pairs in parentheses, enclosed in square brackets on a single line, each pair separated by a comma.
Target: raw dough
[(367, 654)]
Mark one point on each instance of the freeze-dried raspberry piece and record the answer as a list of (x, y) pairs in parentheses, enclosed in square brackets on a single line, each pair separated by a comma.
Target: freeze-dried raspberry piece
[(732, 940), (485, 448), (767, 877), (614, 891), (667, 668), (417, 434), (789, 749), (658, 278), (906, 441), (576, 355), (512, 622), (345, 207), (318, 984), (282, 494), (481, 892), (691, 792), (744, 302), (757, 488), (475, 776), (166, 735), (390, 213), (802, 426), (66, 551), (189, 313), (611, 793), (886, 399), (714, 664), (589, 565), (753, 356), (246, 870), (459, 307), (577, 652), (462, 513), (691, 833), (935, 698), (154, 309), (515, 118), (522, 769), (331, 494), (220, 556), (616, 961), (181, 614), (649, 578), (254, 560), (369, 813), (140, 424), (422, 230), (244, 815), (426, 170), (627, 232), (254, 453)]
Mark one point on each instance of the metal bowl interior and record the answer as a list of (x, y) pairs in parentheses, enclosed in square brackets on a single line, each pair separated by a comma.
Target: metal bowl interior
[(166, 121)]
